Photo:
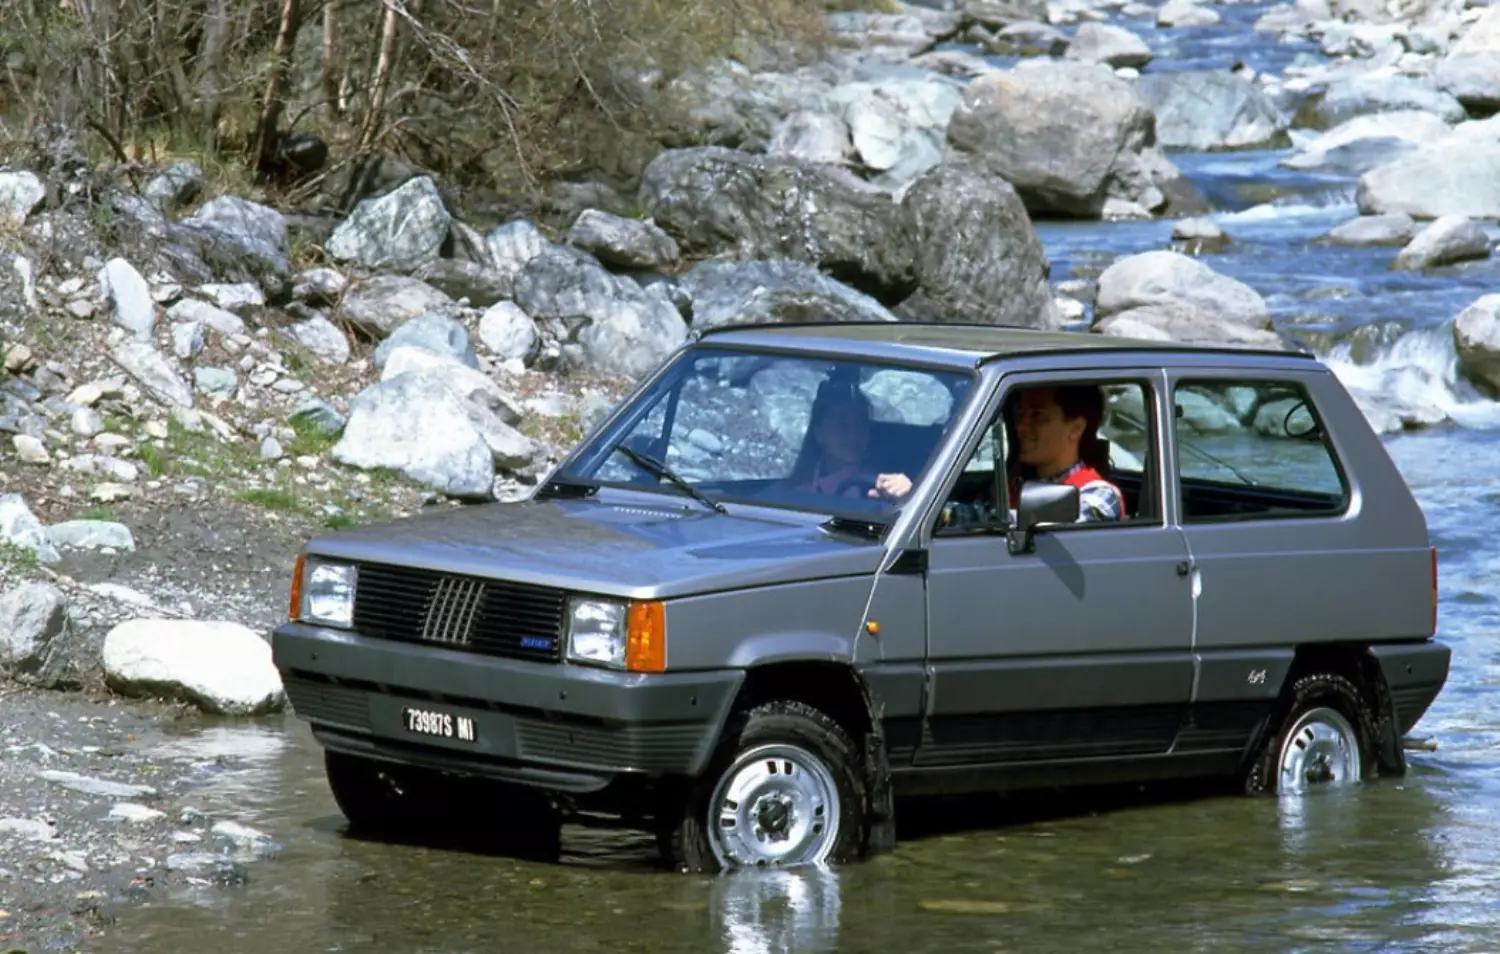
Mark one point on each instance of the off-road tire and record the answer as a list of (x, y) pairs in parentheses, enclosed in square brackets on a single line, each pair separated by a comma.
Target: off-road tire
[(1317, 690), (683, 835)]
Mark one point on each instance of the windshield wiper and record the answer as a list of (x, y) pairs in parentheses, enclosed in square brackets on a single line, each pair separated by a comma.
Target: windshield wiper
[(661, 471)]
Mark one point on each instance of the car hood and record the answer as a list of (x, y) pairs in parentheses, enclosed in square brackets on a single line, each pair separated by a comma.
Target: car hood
[(617, 547)]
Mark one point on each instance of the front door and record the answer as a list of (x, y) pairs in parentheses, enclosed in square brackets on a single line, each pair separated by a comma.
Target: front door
[(1081, 649)]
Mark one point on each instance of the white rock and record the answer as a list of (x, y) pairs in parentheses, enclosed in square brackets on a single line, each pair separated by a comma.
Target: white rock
[(30, 829), (88, 785), (508, 331), (191, 309), (20, 192), (20, 527), (86, 422), (30, 449), (127, 291), (135, 814), (221, 666)]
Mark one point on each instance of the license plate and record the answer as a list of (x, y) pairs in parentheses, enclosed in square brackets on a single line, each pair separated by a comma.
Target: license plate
[(444, 725)]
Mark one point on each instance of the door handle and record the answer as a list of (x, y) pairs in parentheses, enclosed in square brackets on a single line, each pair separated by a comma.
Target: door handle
[(1184, 568)]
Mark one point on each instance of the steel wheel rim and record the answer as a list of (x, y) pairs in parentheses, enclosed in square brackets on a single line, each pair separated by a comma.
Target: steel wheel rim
[(776, 806), (1321, 750)]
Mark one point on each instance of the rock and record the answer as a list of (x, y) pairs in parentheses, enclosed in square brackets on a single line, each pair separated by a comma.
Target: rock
[(135, 814), (978, 258), (480, 284), (622, 242), (177, 185), (811, 136), (29, 829), (222, 667), (1198, 236), (110, 493), (88, 785), (318, 286), (153, 371), (1166, 277), (241, 241), (192, 310), (1473, 80), (413, 423), (317, 415), (1210, 110), (19, 527), (465, 382), (379, 304), (86, 422), (602, 321), (1102, 43), (91, 535), (740, 292), (508, 331), (1434, 181), (322, 337), (1359, 94), (215, 381), (129, 296), (1450, 239), (436, 333), (30, 449), (32, 617), (401, 230), (1068, 135), (720, 201), (97, 464), (513, 245), (897, 124), (270, 449), (241, 298), (1186, 322), (1394, 228), (896, 36), (1364, 142), (1476, 338), (187, 339), (1185, 13), (20, 193)]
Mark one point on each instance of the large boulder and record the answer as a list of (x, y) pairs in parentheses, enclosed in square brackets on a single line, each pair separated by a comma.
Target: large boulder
[(401, 230), (1362, 94), (1471, 71), (978, 259), (1476, 338), (763, 292), (222, 667), (1070, 136), (1364, 142), (896, 125), (242, 241), (1188, 323), (1450, 239), (718, 201), (1203, 110), (1448, 177), (1160, 278)]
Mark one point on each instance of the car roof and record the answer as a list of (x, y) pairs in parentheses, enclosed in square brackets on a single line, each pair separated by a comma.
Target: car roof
[(972, 345)]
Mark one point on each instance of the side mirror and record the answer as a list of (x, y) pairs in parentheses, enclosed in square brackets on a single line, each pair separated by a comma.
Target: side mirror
[(1041, 505)]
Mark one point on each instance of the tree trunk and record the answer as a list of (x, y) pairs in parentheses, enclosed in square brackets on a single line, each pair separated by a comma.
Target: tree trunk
[(376, 107), (267, 132), (332, 100), (208, 87)]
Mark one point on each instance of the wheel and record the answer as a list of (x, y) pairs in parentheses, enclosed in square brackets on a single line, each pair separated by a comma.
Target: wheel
[(1323, 736), (785, 789), (372, 795)]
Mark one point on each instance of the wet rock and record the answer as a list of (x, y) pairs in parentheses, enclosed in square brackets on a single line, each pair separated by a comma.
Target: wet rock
[(401, 230), (1199, 236), (1208, 110), (809, 135), (27, 829), (1102, 43), (508, 332), (20, 193), (1166, 277), (978, 258), (153, 371), (1450, 239), (177, 185), (415, 424), (436, 333), (1185, 13), (19, 527), (1476, 337), (135, 814), (1434, 181), (1069, 136), (88, 785), (381, 303), (131, 305), (32, 617), (621, 242), (602, 321), (236, 837), (1393, 228), (1186, 322), (91, 535), (772, 291), (241, 241), (220, 666), (721, 201), (1365, 142), (1361, 94)]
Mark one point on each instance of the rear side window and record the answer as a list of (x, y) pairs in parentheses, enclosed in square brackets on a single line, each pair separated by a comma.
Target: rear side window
[(1253, 449)]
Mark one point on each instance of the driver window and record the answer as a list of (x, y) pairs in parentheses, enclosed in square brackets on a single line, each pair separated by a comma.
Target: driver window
[(1093, 435)]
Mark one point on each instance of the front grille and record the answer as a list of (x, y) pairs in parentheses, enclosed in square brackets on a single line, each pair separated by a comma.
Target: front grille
[(495, 617)]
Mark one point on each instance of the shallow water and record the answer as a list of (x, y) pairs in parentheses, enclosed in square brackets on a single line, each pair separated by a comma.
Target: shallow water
[(1398, 865)]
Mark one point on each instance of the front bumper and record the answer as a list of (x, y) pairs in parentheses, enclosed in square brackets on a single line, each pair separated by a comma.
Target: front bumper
[(570, 728)]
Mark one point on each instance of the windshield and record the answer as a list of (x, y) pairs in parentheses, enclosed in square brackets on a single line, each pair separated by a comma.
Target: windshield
[(789, 430)]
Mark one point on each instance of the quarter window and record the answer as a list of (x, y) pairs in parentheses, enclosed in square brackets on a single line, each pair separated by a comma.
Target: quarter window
[(1249, 449)]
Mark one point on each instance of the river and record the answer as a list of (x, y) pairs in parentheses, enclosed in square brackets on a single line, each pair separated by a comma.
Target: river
[(1398, 865)]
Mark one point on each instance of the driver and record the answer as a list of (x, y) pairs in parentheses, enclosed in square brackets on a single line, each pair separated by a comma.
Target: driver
[(832, 461), (1057, 434)]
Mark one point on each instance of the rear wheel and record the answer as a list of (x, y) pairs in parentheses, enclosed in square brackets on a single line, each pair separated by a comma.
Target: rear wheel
[(1323, 736), (785, 789)]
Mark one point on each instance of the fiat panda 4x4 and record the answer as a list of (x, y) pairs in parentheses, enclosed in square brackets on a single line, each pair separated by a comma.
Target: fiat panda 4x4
[(803, 570)]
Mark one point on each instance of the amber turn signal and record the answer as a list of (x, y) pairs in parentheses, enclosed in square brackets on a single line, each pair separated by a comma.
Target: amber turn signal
[(294, 611), (646, 637)]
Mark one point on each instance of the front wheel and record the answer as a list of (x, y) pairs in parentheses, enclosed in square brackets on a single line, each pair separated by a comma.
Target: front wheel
[(1324, 736), (785, 789)]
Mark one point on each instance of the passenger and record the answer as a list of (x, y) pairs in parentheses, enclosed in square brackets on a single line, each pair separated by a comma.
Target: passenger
[(832, 460), (1058, 442)]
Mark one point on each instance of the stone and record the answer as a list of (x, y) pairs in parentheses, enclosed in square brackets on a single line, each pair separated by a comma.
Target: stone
[(220, 666)]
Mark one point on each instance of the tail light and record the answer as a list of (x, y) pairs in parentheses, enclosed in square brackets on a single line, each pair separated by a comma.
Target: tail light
[(1432, 626)]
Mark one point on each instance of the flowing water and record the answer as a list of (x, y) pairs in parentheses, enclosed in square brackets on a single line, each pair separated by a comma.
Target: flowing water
[(1399, 865)]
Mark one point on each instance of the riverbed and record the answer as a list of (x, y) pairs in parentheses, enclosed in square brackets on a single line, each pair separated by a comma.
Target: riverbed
[(1408, 864)]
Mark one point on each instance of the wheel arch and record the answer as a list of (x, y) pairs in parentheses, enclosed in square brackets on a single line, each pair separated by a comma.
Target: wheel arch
[(1354, 662)]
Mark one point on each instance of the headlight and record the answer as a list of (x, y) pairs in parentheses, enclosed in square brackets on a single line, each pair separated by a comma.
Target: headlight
[(596, 632), (328, 594)]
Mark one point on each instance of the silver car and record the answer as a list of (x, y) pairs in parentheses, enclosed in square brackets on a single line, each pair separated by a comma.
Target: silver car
[(804, 570)]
